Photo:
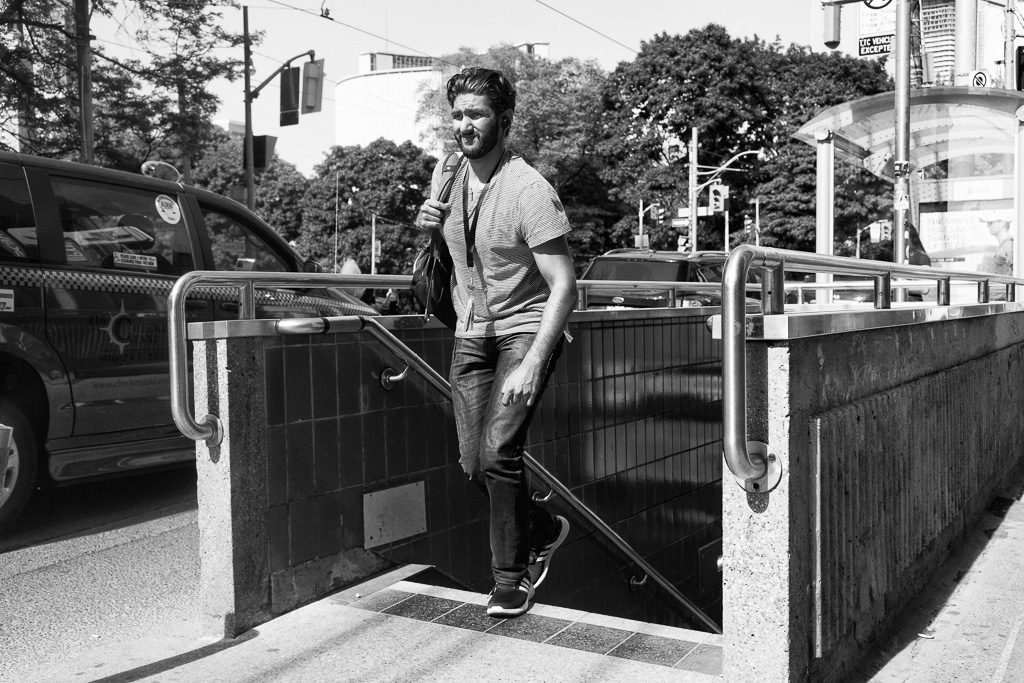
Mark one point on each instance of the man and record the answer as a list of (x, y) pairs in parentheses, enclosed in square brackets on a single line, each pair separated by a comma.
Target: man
[(1002, 262), (514, 290)]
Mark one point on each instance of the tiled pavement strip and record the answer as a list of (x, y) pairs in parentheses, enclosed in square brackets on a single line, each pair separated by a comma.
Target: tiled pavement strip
[(390, 629), (665, 646)]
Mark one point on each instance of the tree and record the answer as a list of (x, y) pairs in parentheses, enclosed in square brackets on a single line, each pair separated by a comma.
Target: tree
[(741, 95), (705, 80), (155, 108), (279, 189), (805, 83), (352, 185)]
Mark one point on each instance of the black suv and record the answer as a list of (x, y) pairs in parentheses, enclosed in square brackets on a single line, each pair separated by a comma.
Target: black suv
[(642, 265), (87, 259)]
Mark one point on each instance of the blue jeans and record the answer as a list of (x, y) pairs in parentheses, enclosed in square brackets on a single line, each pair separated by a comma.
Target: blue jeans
[(491, 438)]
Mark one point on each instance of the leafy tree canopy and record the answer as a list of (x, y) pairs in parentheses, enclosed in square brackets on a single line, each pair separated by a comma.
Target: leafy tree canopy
[(156, 107), (278, 189), (740, 95), (352, 185)]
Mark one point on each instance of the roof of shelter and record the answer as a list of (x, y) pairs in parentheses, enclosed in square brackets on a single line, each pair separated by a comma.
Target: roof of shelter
[(945, 122)]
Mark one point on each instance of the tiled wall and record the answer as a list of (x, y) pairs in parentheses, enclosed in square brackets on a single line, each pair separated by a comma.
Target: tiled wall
[(890, 449), (630, 422)]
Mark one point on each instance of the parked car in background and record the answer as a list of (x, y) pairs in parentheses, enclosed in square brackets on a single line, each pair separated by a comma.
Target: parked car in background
[(643, 265), (87, 259)]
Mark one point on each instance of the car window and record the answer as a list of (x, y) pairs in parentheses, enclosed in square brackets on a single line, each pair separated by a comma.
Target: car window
[(647, 271), (236, 246), (17, 222), (122, 228), (712, 272)]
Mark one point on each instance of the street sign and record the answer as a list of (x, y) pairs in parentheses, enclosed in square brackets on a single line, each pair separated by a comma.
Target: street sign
[(877, 29), (981, 78)]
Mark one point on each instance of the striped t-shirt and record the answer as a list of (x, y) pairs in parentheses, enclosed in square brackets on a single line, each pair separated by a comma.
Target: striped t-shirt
[(504, 292)]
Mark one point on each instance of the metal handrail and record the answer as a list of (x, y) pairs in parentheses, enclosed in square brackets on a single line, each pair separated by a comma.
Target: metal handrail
[(755, 466), (210, 427), (420, 367)]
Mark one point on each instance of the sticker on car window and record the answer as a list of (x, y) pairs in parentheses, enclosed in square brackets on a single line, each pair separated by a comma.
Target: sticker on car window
[(168, 209), (8, 244), (6, 301), (121, 234), (126, 260), (74, 252)]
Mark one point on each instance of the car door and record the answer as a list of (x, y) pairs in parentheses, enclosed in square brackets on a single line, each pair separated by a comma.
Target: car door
[(124, 246), (237, 243)]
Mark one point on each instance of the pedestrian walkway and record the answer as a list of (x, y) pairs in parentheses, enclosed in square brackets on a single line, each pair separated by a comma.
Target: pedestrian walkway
[(394, 629), (968, 625)]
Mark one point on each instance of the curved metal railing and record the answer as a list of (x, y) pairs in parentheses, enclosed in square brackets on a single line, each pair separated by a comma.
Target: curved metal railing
[(209, 429), (753, 464)]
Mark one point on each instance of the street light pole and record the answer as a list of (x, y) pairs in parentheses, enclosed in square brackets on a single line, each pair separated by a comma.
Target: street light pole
[(693, 190), (901, 168), (1009, 45), (250, 95), (250, 176)]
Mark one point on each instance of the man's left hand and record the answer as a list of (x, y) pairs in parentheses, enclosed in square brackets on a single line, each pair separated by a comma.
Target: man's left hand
[(523, 384)]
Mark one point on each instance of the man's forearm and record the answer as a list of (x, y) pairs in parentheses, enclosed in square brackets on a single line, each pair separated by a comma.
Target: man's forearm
[(552, 321)]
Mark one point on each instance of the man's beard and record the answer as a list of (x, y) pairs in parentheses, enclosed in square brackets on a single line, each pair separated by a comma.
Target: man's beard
[(482, 144)]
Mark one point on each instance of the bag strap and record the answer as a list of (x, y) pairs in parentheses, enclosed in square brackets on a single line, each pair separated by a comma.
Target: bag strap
[(448, 173)]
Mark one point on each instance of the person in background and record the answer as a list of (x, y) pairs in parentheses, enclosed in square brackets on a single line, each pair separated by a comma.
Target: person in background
[(916, 256), (1002, 262), (514, 290)]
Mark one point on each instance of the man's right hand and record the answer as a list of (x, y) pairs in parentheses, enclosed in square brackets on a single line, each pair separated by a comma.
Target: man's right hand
[(432, 214)]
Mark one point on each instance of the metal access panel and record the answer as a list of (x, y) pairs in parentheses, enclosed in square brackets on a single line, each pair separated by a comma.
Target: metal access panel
[(394, 514)]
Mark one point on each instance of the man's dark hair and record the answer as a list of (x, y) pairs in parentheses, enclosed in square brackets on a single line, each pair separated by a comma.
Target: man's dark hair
[(485, 82)]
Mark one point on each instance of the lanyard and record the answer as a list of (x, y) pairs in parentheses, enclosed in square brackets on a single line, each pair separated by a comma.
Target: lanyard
[(470, 228)]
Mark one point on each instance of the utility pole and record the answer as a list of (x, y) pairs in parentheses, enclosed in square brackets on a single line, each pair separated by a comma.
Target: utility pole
[(373, 244), (84, 62), (26, 133), (1009, 45), (250, 175), (965, 50), (693, 189), (757, 221), (901, 167), (250, 95)]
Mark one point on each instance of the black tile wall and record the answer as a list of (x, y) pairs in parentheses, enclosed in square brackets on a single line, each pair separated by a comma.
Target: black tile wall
[(630, 422)]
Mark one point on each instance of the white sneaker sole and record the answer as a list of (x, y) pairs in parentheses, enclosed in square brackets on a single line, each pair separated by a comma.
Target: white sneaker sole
[(563, 533)]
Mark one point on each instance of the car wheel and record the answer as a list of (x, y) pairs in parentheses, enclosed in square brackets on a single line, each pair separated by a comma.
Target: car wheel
[(18, 478)]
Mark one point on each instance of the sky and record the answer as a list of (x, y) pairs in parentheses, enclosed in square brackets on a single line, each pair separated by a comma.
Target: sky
[(606, 32)]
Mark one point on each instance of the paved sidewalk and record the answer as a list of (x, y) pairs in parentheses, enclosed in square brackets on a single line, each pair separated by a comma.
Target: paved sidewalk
[(968, 624), (390, 630)]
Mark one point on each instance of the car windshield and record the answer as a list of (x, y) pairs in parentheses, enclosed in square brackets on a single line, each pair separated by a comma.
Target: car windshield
[(645, 271)]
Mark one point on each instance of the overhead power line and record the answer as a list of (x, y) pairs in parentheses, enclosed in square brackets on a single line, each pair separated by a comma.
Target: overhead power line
[(589, 28), (360, 30)]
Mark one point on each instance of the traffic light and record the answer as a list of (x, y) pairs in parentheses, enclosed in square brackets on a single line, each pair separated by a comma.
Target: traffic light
[(1018, 61), (312, 86), (262, 151), (659, 214), (719, 193), (290, 96), (832, 30)]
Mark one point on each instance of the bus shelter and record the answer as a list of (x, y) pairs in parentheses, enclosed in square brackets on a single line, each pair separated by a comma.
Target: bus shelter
[(965, 159)]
